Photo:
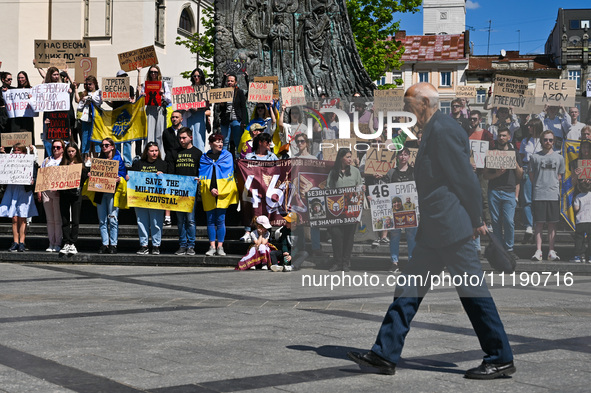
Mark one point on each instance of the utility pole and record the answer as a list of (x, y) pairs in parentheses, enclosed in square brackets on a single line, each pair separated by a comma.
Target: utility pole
[(488, 45), (518, 40)]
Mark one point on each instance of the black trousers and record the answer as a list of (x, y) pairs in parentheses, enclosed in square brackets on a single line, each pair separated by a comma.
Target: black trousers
[(342, 243), (582, 228), (70, 227)]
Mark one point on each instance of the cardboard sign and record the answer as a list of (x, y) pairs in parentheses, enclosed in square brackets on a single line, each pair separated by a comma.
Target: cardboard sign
[(465, 91), (168, 81), (585, 165), (330, 147), (413, 156), (115, 89), (501, 159), (394, 206), (152, 89), (165, 192), (61, 177), (17, 103), (85, 66), (388, 100), (225, 94), (335, 206), (59, 126), (16, 168), (187, 97), (260, 92), (556, 92), (509, 91), (479, 148), (270, 79), (51, 97), (138, 58), (293, 95), (10, 139), (59, 52), (379, 161), (530, 105), (103, 175)]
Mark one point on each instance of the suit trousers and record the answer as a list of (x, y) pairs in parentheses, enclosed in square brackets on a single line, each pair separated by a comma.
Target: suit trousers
[(460, 258)]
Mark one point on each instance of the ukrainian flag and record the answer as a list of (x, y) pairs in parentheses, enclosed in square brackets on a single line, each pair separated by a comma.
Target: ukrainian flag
[(124, 124), (226, 185), (570, 152)]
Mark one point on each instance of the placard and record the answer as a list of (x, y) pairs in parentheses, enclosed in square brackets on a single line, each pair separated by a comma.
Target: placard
[(330, 147), (293, 95), (16, 168), (556, 92), (225, 94), (530, 105), (585, 165), (588, 88), (61, 177), (85, 66), (378, 161), (413, 156), (152, 90), (61, 52), (187, 97), (465, 91), (509, 91), (115, 89), (103, 175), (260, 92), (60, 64), (479, 148), (335, 206), (138, 58), (388, 100), (501, 159), (163, 192), (51, 97), (17, 103), (270, 79), (11, 139), (394, 206), (59, 126)]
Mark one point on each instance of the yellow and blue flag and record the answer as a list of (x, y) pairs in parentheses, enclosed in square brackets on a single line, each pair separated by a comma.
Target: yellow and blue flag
[(570, 152), (124, 124), (226, 185)]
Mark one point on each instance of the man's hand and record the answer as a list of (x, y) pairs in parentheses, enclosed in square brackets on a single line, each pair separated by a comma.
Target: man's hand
[(480, 231)]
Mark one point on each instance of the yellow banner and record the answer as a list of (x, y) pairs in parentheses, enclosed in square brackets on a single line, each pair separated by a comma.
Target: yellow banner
[(570, 152), (127, 123), (163, 192)]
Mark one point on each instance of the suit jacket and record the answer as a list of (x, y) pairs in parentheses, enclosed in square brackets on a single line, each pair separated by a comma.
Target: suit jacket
[(239, 105), (450, 201), (171, 144)]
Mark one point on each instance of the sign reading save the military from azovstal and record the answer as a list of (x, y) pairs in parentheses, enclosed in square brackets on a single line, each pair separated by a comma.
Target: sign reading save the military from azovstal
[(335, 206), (103, 175), (62, 50), (165, 192), (394, 205)]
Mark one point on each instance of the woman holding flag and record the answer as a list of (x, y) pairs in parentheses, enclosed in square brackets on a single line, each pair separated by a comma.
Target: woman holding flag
[(91, 96)]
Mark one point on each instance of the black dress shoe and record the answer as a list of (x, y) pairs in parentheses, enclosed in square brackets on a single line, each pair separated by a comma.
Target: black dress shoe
[(113, 250), (370, 359), (491, 371), (104, 249)]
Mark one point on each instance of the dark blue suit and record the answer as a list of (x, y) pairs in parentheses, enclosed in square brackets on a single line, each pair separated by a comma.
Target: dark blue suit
[(450, 208)]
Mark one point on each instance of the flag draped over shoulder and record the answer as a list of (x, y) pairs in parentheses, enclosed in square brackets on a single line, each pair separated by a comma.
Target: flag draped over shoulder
[(226, 185), (570, 152), (126, 123)]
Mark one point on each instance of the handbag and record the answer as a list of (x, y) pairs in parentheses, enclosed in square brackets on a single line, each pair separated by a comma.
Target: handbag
[(497, 256)]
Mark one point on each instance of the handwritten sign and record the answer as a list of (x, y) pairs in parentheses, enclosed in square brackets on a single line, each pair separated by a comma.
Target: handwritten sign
[(59, 126), (152, 89), (330, 147), (138, 58), (556, 92), (61, 51), (509, 91), (84, 67), (10, 139), (60, 64), (293, 95), (530, 104), (585, 165), (17, 103), (379, 161), (501, 159), (260, 92), (388, 100), (115, 89), (61, 177), (465, 91), (270, 79), (16, 168), (225, 94), (51, 97), (393, 205), (188, 97), (165, 192), (103, 175), (479, 148), (413, 156)]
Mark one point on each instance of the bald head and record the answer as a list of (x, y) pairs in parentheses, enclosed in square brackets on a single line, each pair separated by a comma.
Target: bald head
[(421, 99)]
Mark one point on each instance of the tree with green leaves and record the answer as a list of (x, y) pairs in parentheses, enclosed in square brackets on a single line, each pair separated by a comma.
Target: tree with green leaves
[(201, 45)]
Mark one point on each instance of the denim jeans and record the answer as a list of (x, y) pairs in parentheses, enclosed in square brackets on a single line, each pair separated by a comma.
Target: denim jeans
[(395, 235), (526, 190), (186, 226), (149, 222), (85, 137), (234, 131), (125, 151), (108, 224), (216, 225), (502, 212), (196, 122)]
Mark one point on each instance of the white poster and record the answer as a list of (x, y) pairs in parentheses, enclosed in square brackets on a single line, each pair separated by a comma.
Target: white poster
[(18, 104), (394, 206), (51, 97), (16, 168)]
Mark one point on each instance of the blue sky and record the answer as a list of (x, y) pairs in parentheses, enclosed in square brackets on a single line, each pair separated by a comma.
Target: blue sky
[(535, 19)]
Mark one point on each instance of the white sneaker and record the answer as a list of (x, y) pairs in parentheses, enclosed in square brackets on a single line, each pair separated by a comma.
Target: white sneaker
[(211, 252), (72, 249), (276, 268), (65, 249), (221, 252), (264, 267), (246, 238), (537, 256), (49, 249), (552, 256), (287, 268), (252, 268)]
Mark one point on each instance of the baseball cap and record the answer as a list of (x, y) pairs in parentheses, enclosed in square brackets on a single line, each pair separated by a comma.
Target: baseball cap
[(121, 73), (264, 221), (291, 217)]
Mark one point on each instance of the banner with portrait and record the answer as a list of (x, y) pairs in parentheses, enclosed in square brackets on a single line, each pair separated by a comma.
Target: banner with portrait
[(394, 206), (335, 206)]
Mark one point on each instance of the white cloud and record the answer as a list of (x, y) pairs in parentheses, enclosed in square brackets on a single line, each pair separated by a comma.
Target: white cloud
[(472, 5)]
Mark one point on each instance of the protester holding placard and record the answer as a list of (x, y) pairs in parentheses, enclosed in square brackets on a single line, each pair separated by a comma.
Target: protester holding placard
[(263, 120), (218, 191), (197, 118), (294, 127), (556, 120), (476, 132), (25, 123), (71, 202), (123, 147), (529, 145), (149, 221), (106, 209), (505, 117), (156, 115), (262, 150), (232, 117), (91, 96), (51, 199), (458, 115), (18, 204)]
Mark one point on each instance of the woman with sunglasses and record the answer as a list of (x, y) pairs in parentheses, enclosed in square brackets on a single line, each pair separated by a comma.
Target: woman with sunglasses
[(51, 199), (197, 118), (294, 127), (91, 96), (156, 115), (25, 123), (263, 120), (529, 146), (301, 141)]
